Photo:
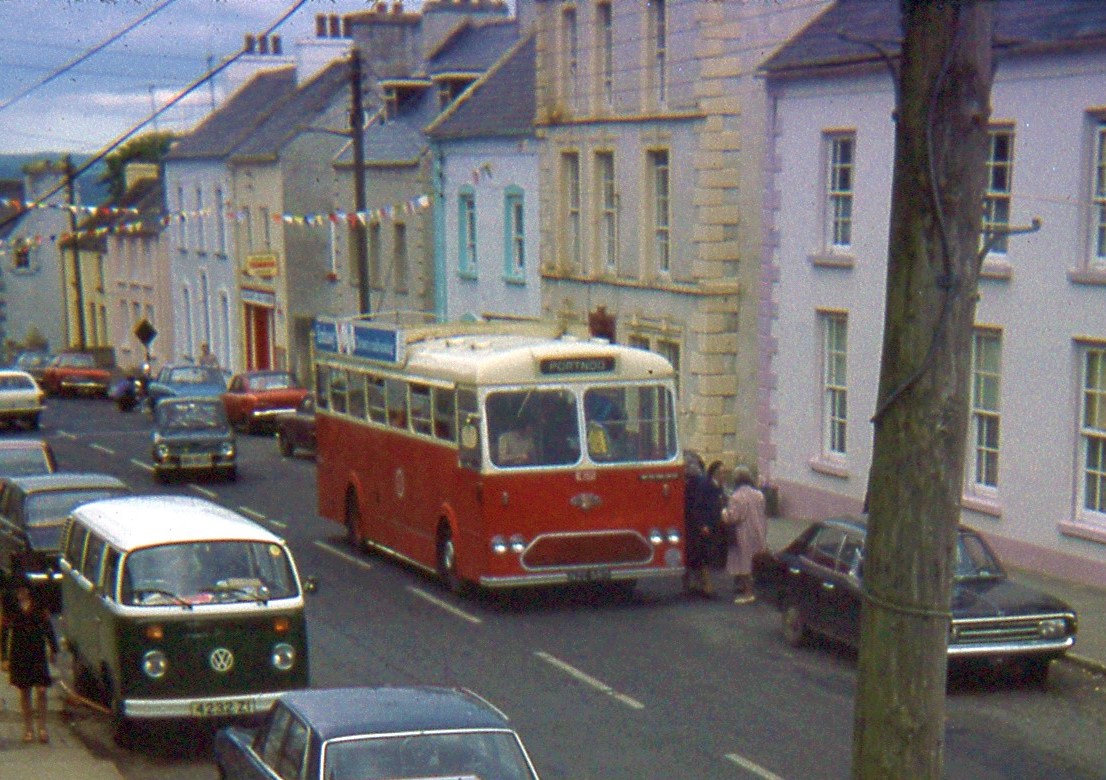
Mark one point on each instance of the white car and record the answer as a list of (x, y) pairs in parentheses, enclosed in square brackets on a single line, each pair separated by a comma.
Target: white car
[(20, 398)]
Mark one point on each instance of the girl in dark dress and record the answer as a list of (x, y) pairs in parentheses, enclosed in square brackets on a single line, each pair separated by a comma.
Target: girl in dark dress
[(29, 648)]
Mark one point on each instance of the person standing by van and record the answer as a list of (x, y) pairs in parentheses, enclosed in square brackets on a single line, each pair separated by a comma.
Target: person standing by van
[(30, 646)]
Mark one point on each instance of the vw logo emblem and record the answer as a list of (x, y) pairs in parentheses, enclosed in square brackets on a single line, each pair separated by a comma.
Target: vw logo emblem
[(221, 660)]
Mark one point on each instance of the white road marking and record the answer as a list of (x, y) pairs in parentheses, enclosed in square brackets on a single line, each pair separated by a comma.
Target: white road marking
[(203, 491), (67, 435), (102, 448), (437, 602), (252, 514), (345, 556), (142, 465), (756, 769), (587, 679)]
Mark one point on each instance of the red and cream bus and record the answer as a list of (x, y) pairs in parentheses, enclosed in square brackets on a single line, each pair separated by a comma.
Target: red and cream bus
[(499, 454)]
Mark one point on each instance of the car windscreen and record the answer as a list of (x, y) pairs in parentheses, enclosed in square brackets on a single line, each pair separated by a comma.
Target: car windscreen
[(52, 507), (190, 416), (76, 361), (469, 754), (23, 462), (208, 572), (975, 559), (193, 375), (16, 382), (271, 382)]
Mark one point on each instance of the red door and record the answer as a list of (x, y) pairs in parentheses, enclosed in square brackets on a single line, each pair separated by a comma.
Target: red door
[(259, 324)]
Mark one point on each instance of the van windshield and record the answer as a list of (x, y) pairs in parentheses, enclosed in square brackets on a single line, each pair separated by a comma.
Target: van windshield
[(211, 572)]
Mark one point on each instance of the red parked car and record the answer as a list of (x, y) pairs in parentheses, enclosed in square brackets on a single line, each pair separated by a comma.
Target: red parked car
[(255, 399), (75, 373)]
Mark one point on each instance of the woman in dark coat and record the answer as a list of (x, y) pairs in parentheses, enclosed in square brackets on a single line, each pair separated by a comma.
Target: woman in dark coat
[(30, 647), (705, 548)]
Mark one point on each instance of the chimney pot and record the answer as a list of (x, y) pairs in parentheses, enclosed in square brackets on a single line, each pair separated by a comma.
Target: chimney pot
[(263, 44), (251, 44), (277, 47), (320, 25)]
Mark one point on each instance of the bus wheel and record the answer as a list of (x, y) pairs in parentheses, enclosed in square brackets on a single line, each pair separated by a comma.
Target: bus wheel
[(353, 521), (447, 561)]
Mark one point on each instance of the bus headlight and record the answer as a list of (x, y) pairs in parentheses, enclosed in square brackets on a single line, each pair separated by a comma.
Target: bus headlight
[(499, 545), (673, 536), (284, 656), (155, 664), (656, 537), (518, 544)]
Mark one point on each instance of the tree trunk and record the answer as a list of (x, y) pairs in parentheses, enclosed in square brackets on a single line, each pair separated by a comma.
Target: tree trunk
[(941, 143)]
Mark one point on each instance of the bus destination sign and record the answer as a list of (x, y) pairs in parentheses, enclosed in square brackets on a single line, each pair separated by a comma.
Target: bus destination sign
[(577, 365), (359, 339)]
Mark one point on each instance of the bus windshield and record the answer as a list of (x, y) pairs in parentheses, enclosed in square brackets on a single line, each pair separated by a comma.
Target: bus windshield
[(621, 424)]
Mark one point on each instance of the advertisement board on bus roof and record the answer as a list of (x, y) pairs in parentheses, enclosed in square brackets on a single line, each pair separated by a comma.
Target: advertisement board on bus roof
[(360, 339)]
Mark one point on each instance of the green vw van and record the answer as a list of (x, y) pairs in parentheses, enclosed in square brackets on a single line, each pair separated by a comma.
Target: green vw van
[(176, 607)]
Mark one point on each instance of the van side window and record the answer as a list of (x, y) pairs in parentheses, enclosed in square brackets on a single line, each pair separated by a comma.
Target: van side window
[(111, 572), (95, 552), (74, 550)]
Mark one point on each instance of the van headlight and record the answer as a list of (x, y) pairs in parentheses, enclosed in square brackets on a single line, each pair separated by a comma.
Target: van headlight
[(155, 664), (284, 656)]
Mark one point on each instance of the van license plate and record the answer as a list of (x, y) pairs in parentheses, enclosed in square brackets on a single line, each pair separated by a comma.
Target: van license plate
[(216, 709), (195, 460)]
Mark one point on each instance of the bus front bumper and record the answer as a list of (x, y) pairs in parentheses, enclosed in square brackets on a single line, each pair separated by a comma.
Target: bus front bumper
[(583, 574)]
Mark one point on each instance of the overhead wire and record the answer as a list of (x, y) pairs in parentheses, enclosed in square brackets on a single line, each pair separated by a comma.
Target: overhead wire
[(87, 55), (176, 99)]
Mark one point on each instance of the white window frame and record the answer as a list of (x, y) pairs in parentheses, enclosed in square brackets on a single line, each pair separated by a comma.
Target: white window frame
[(514, 238), (201, 239), (840, 190), (986, 414), (661, 201), (466, 233), (1092, 436), (998, 190), (658, 33), (607, 233), (570, 31), (835, 387), (1098, 197), (571, 208), (604, 24), (220, 221)]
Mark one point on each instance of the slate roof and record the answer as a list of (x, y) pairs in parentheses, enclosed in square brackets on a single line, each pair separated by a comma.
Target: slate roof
[(473, 48), (297, 109), (400, 139), (502, 103), (234, 121), (837, 36), (146, 195)]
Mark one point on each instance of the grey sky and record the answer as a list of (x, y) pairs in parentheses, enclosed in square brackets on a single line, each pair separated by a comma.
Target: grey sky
[(103, 98)]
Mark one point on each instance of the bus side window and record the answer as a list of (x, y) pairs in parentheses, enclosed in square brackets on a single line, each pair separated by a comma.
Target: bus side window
[(468, 420), (376, 400), (396, 393), (420, 408), (357, 394), (445, 414), (338, 386), (322, 387)]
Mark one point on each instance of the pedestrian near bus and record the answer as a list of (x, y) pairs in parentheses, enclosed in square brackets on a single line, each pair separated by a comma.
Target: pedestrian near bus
[(30, 647), (745, 512), (705, 549)]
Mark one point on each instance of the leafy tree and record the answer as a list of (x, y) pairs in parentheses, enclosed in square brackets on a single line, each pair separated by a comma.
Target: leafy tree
[(148, 147)]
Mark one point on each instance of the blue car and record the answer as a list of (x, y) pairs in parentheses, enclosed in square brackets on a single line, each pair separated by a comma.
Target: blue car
[(376, 733), (187, 380)]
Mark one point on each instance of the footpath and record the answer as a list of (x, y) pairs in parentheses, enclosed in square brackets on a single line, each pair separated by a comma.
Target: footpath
[(67, 758)]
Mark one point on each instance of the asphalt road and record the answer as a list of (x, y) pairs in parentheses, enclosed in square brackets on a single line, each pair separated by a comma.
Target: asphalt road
[(655, 685)]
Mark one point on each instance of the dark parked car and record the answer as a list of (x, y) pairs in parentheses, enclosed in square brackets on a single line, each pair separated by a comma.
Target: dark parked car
[(816, 583), (192, 435), (255, 399), (22, 457), (32, 515), (186, 380), (296, 430), (376, 733)]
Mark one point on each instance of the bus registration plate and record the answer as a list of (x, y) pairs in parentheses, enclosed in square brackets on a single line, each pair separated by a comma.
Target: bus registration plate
[(222, 707), (589, 575)]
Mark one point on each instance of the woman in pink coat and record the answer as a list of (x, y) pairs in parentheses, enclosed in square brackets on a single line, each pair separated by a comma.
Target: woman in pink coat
[(745, 512)]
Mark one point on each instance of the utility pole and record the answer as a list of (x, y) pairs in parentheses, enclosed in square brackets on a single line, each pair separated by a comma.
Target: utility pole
[(357, 228), (941, 140), (71, 195)]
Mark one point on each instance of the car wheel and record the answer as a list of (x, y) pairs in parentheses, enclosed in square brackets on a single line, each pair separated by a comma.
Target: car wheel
[(1035, 671), (794, 626), (287, 448), (161, 476), (83, 683), (232, 474)]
